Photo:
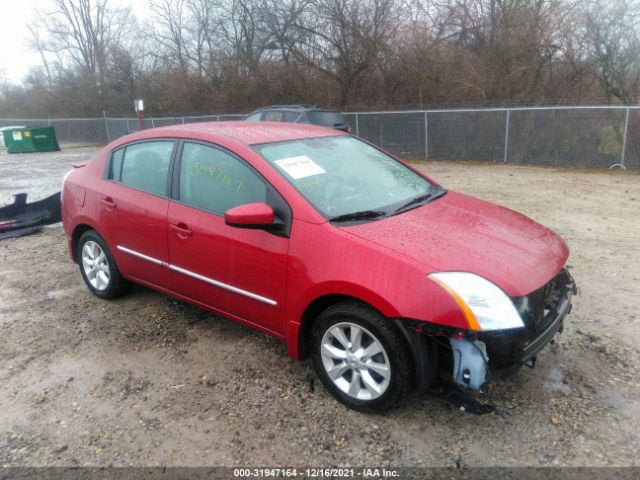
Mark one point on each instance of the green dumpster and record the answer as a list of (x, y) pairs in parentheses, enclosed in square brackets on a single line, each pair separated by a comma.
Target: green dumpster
[(31, 139)]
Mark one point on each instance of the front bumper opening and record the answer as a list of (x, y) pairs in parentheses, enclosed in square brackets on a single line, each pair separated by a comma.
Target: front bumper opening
[(543, 313), (471, 360)]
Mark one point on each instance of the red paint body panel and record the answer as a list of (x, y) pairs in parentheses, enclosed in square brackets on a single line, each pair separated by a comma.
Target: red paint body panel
[(384, 263), (245, 133), (252, 260), (137, 221), (466, 234)]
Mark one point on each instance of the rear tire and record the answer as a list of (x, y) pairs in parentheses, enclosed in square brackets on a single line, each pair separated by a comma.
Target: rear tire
[(360, 357), (98, 268)]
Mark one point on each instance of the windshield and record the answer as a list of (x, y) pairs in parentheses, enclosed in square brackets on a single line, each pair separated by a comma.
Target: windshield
[(342, 176)]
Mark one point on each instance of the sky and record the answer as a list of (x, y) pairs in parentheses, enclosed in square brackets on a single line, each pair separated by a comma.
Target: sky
[(15, 55)]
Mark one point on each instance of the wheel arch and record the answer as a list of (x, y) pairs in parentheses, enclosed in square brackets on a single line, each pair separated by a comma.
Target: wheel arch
[(311, 313), (313, 310), (421, 347), (79, 229), (77, 232)]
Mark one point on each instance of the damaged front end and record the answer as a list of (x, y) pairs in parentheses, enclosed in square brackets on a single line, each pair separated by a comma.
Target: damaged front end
[(543, 313), (470, 359)]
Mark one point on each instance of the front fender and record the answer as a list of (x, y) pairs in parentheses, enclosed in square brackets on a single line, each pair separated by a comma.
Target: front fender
[(328, 289)]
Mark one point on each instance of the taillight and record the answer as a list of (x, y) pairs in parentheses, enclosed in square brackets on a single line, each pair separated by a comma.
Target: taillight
[(348, 128)]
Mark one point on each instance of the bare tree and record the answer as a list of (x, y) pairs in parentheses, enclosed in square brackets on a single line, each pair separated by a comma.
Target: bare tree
[(204, 55), (168, 31), (39, 44), (79, 36), (343, 39), (612, 32), (86, 30)]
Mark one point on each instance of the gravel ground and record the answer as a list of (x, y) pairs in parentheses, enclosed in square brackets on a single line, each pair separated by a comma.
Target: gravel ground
[(149, 380)]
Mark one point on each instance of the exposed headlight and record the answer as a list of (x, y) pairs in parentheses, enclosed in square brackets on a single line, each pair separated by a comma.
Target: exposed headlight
[(484, 304)]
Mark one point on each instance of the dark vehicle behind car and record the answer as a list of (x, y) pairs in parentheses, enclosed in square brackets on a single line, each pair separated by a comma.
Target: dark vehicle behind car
[(300, 114)]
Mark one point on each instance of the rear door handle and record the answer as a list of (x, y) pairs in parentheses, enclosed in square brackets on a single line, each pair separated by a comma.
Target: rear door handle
[(108, 203), (181, 230)]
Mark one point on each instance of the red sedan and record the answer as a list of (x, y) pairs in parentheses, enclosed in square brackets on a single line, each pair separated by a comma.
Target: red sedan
[(384, 278)]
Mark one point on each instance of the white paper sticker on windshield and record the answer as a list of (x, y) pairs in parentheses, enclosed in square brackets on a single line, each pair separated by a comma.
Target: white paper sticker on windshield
[(300, 167)]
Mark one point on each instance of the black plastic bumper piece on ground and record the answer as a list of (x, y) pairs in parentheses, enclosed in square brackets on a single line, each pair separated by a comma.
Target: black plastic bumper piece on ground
[(21, 232), (22, 218), (462, 400)]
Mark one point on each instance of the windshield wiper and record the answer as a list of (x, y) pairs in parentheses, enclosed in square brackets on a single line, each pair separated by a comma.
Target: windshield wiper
[(430, 196), (361, 215)]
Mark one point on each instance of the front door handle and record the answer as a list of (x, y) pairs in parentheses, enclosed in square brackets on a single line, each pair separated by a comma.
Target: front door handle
[(108, 203), (181, 230)]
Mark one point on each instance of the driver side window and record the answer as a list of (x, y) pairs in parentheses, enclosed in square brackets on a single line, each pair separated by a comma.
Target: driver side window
[(214, 180)]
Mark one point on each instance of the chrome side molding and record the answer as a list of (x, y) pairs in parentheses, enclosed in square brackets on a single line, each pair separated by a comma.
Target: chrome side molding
[(197, 276)]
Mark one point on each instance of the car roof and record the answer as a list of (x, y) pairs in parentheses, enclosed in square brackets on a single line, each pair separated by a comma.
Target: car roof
[(249, 133), (295, 107)]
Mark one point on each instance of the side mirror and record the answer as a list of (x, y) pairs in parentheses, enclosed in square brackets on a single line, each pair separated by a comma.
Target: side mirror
[(253, 215)]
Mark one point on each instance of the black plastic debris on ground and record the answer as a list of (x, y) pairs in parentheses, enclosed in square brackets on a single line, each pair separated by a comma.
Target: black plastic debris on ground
[(22, 218), (461, 400)]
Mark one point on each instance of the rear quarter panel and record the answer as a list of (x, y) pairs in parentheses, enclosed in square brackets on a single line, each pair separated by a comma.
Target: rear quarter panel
[(79, 204)]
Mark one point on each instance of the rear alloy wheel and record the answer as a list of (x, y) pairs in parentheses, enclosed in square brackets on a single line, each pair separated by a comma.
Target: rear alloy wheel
[(95, 265), (98, 267), (360, 358)]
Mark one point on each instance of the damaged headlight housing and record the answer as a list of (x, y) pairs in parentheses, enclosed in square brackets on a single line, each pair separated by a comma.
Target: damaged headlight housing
[(484, 304)]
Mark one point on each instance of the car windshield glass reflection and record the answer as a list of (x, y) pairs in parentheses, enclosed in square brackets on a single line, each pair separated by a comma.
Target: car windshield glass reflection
[(347, 179)]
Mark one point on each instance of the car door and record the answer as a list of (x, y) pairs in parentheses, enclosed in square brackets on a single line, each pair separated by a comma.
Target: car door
[(133, 202), (241, 272)]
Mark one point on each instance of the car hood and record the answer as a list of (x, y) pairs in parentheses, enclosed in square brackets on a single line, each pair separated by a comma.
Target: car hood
[(460, 233)]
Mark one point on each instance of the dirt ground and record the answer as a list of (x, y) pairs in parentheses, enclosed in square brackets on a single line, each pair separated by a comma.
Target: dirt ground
[(149, 380)]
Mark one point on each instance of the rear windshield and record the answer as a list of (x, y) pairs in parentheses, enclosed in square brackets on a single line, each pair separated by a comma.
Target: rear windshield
[(326, 119)]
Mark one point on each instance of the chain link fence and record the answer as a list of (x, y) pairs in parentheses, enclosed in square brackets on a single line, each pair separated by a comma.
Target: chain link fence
[(102, 130), (574, 137)]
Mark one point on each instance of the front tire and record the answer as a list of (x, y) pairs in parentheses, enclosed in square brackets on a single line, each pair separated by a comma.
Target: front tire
[(98, 268), (360, 357)]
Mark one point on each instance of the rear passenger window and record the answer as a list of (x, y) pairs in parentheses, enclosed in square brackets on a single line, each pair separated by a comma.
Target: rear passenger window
[(145, 166), (115, 169), (214, 180)]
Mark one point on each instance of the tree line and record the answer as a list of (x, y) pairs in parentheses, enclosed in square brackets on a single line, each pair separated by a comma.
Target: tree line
[(206, 56)]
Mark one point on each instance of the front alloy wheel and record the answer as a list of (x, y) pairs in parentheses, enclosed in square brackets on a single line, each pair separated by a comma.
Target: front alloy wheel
[(355, 361), (360, 357)]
